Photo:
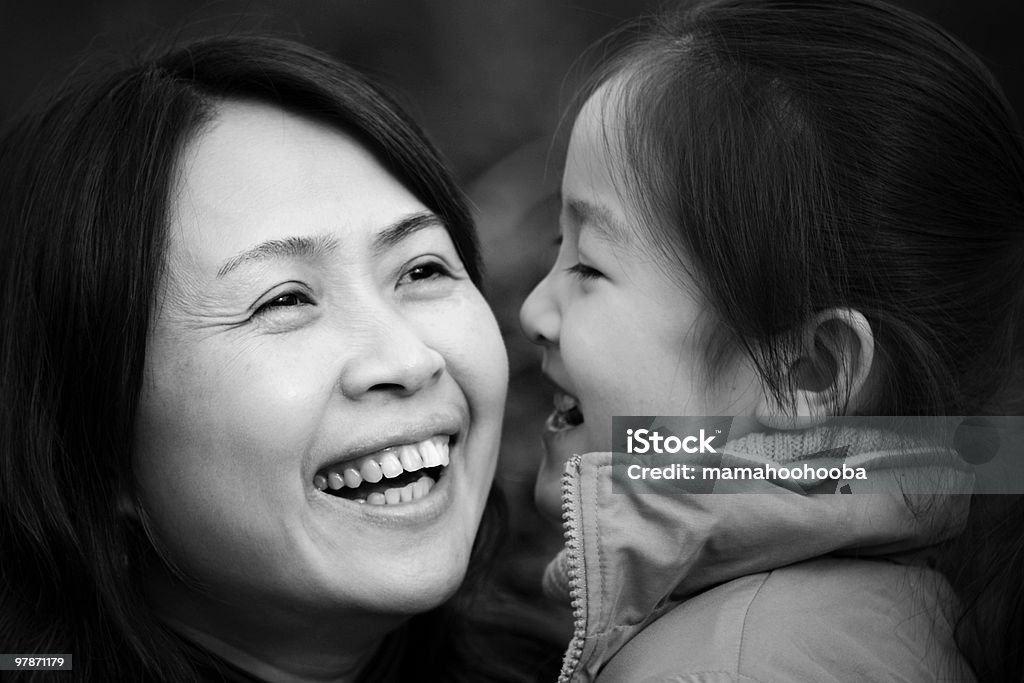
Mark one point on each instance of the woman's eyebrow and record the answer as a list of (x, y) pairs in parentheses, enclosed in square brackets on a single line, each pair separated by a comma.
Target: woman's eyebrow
[(403, 228), (307, 247), (319, 245)]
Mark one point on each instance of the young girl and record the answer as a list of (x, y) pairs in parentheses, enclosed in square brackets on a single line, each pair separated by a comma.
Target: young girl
[(786, 211)]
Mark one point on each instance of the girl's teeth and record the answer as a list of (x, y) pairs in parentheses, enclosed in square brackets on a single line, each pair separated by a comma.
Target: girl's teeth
[(566, 414), (376, 499), (564, 402), (393, 496), (335, 481), (320, 481)]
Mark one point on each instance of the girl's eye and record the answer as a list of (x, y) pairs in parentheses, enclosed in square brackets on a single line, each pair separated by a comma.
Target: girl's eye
[(430, 270), (583, 272), (286, 300)]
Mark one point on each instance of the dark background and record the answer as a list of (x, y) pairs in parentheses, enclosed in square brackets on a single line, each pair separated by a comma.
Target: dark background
[(488, 79)]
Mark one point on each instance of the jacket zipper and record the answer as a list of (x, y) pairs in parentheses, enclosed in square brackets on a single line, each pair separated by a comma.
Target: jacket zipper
[(577, 576)]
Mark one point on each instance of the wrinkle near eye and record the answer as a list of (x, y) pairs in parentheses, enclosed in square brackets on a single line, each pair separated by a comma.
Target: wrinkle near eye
[(186, 304)]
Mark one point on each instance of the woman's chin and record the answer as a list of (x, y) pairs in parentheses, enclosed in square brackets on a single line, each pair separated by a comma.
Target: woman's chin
[(412, 585), (416, 598)]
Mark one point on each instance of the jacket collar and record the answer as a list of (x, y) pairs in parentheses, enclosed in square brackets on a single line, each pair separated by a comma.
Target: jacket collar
[(632, 555)]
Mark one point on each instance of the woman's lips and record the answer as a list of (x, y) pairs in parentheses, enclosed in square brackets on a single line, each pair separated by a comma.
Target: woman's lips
[(566, 415)]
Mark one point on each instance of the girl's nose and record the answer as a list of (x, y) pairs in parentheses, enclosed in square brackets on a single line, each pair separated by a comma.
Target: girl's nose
[(392, 357), (539, 316)]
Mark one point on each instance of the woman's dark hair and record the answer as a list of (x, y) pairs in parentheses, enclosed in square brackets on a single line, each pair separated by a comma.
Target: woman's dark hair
[(795, 156), (86, 178)]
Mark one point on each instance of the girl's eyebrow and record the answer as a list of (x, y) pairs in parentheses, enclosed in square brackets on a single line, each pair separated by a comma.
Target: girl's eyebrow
[(600, 218), (315, 246)]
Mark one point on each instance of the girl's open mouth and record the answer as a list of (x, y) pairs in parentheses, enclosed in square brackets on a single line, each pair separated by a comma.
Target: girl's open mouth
[(394, 475), (566, 415)]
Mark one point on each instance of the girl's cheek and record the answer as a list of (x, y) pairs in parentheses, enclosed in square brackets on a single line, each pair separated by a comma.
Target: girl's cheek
[(584, 346)]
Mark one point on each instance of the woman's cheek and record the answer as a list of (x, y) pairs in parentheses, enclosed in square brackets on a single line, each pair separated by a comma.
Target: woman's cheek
[(475, 352), (226, 403), (475, 357), (494, 359)]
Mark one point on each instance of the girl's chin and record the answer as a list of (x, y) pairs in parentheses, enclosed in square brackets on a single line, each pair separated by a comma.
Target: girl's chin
[(559, 446), (547, 491)]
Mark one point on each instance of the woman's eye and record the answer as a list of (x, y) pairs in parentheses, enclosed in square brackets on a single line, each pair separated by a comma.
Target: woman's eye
[(584, 272), (286, 300), (424, 271)]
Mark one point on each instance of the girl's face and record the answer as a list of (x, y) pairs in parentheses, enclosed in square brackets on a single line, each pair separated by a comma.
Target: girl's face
[(621, 336), (323, 393)]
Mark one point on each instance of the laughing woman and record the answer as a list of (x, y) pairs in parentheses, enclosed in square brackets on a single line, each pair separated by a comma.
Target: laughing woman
[(251, 394)]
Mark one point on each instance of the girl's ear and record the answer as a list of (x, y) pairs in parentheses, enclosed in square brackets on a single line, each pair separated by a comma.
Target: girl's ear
[(835, 355)]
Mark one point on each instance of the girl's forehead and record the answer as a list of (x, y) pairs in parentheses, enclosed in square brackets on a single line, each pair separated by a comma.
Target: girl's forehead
[(600, 119), (595, 155), (603, 194), (595, 185)]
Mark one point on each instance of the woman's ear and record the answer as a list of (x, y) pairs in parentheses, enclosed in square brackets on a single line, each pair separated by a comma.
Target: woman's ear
[(834, 359)]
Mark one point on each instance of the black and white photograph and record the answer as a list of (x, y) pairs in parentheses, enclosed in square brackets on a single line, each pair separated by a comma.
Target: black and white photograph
[(536, 341)]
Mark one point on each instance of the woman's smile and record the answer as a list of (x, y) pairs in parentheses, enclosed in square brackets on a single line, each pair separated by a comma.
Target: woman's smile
[(415, 498), (405, 477), (392, 475)]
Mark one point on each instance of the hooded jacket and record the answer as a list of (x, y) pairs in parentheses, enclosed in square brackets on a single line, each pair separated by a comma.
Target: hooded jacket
[(774, 584)]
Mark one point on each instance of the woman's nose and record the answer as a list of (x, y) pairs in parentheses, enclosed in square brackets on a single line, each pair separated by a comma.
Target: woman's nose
[(539, 316), (392, 356)]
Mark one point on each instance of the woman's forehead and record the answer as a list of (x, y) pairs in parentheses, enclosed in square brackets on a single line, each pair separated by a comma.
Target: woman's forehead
[(258, 174)]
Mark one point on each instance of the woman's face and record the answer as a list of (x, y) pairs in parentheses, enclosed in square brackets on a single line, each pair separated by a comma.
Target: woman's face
[(621, 335), (324, 384)]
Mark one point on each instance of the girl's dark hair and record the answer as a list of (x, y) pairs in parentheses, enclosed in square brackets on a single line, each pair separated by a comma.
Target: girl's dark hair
[(87, 177), (796, 156)]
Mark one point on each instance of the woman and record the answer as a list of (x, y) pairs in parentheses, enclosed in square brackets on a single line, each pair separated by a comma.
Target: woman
[(787, 211), (251, 392)]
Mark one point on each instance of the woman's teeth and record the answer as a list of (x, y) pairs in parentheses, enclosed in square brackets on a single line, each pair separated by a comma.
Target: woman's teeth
[(371, 472), (567, 413)]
